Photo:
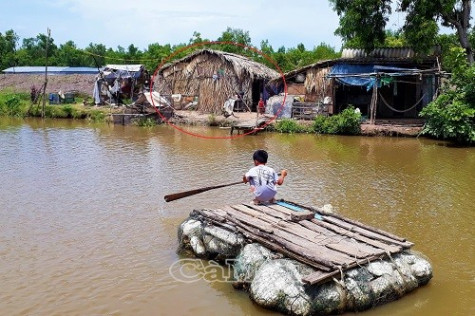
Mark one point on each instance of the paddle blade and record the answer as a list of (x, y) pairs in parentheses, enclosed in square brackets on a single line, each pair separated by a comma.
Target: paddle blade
[(180, 195)]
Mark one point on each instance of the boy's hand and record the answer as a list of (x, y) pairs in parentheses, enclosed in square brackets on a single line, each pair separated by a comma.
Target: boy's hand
[(283, 173), (244, 179)]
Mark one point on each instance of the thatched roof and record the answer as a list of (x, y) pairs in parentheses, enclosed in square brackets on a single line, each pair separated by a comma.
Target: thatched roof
[(242, 65), (293, 73)]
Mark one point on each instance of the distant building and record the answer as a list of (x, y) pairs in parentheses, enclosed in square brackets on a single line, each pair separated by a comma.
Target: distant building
[(52, 70)]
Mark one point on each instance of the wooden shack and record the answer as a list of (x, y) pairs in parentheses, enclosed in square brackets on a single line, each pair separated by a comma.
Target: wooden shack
[(387, 83), (205, 79)]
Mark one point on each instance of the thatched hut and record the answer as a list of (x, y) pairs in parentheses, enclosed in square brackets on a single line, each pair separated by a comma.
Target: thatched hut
[(205, 79), (388, 83)]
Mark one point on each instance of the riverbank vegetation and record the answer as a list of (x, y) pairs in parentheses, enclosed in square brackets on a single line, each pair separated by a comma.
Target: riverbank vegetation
[(20, 105), (452, 115), (348, 122)]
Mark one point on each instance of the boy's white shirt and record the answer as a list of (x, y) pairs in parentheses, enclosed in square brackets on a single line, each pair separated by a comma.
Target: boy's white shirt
[(262, 175)]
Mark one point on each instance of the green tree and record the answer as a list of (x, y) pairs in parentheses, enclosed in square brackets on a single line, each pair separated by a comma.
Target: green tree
[(238, 36), (292, 58), (197, 39), (133, 55), (29, 51), (46, 44), (155, 54), (118, 56), (394, 39), (299, 56), (69, 55), (35, 50), (282, 59), (8, 43), (363, 22), (324, 51), (96, 53), (452, 115), (450, 49)]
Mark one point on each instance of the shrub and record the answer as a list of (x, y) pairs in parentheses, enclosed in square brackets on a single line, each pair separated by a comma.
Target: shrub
[(212, 120), (146, 122), (347, 122), (69, 111), (319, 124), (450, 118), (452, 115), (55, 111), (11, 105), (290, 126), (34, 111), (96, 116)]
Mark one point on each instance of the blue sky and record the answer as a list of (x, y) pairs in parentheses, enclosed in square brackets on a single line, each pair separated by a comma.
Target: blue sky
[(143, 22)]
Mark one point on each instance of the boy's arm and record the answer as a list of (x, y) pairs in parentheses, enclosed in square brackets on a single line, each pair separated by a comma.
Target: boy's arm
[(283, 174)]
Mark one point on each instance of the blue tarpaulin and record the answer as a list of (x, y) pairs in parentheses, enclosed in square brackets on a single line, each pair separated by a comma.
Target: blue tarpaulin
[(364, 75), (348, 70)]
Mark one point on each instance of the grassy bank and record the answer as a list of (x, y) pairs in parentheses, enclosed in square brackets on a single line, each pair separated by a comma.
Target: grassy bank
[(20, 105)]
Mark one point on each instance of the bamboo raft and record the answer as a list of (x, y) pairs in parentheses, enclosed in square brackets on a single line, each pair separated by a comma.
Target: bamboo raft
[(330, 243)]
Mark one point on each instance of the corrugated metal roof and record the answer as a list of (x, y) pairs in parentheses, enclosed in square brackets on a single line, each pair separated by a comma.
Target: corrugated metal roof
[(392, 52), (131, 67), (52, 70)]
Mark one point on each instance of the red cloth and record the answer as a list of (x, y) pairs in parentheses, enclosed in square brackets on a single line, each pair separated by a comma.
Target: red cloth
[(260, 106)]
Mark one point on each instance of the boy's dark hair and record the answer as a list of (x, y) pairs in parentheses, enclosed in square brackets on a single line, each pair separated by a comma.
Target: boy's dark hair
[(260, 155)]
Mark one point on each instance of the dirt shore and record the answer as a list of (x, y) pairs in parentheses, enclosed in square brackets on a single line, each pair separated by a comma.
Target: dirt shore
[(81, 84), (403, 128), (388, 129)]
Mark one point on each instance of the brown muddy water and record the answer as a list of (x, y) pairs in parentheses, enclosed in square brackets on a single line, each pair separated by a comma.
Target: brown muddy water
[(84, 229)]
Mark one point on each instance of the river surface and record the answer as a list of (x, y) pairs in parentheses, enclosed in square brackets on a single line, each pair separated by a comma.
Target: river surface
[(84, 229)]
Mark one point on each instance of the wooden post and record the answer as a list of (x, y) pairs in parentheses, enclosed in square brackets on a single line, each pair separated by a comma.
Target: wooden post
[(46, 75), (375, 110), (374, 102), (371, 106)]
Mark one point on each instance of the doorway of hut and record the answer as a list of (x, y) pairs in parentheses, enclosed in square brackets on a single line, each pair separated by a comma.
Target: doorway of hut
[(402, 98), (398, 100), (356, 96), (257, 93), (405, 97)]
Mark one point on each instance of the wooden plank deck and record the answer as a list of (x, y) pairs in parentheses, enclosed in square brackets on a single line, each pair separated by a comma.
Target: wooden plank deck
[(330, 243)]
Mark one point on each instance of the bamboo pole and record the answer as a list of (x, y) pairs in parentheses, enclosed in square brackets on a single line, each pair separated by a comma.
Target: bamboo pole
[(46, 75), (370, 228)]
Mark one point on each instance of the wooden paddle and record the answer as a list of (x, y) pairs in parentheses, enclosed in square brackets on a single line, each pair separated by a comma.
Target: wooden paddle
[(179, 195)]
